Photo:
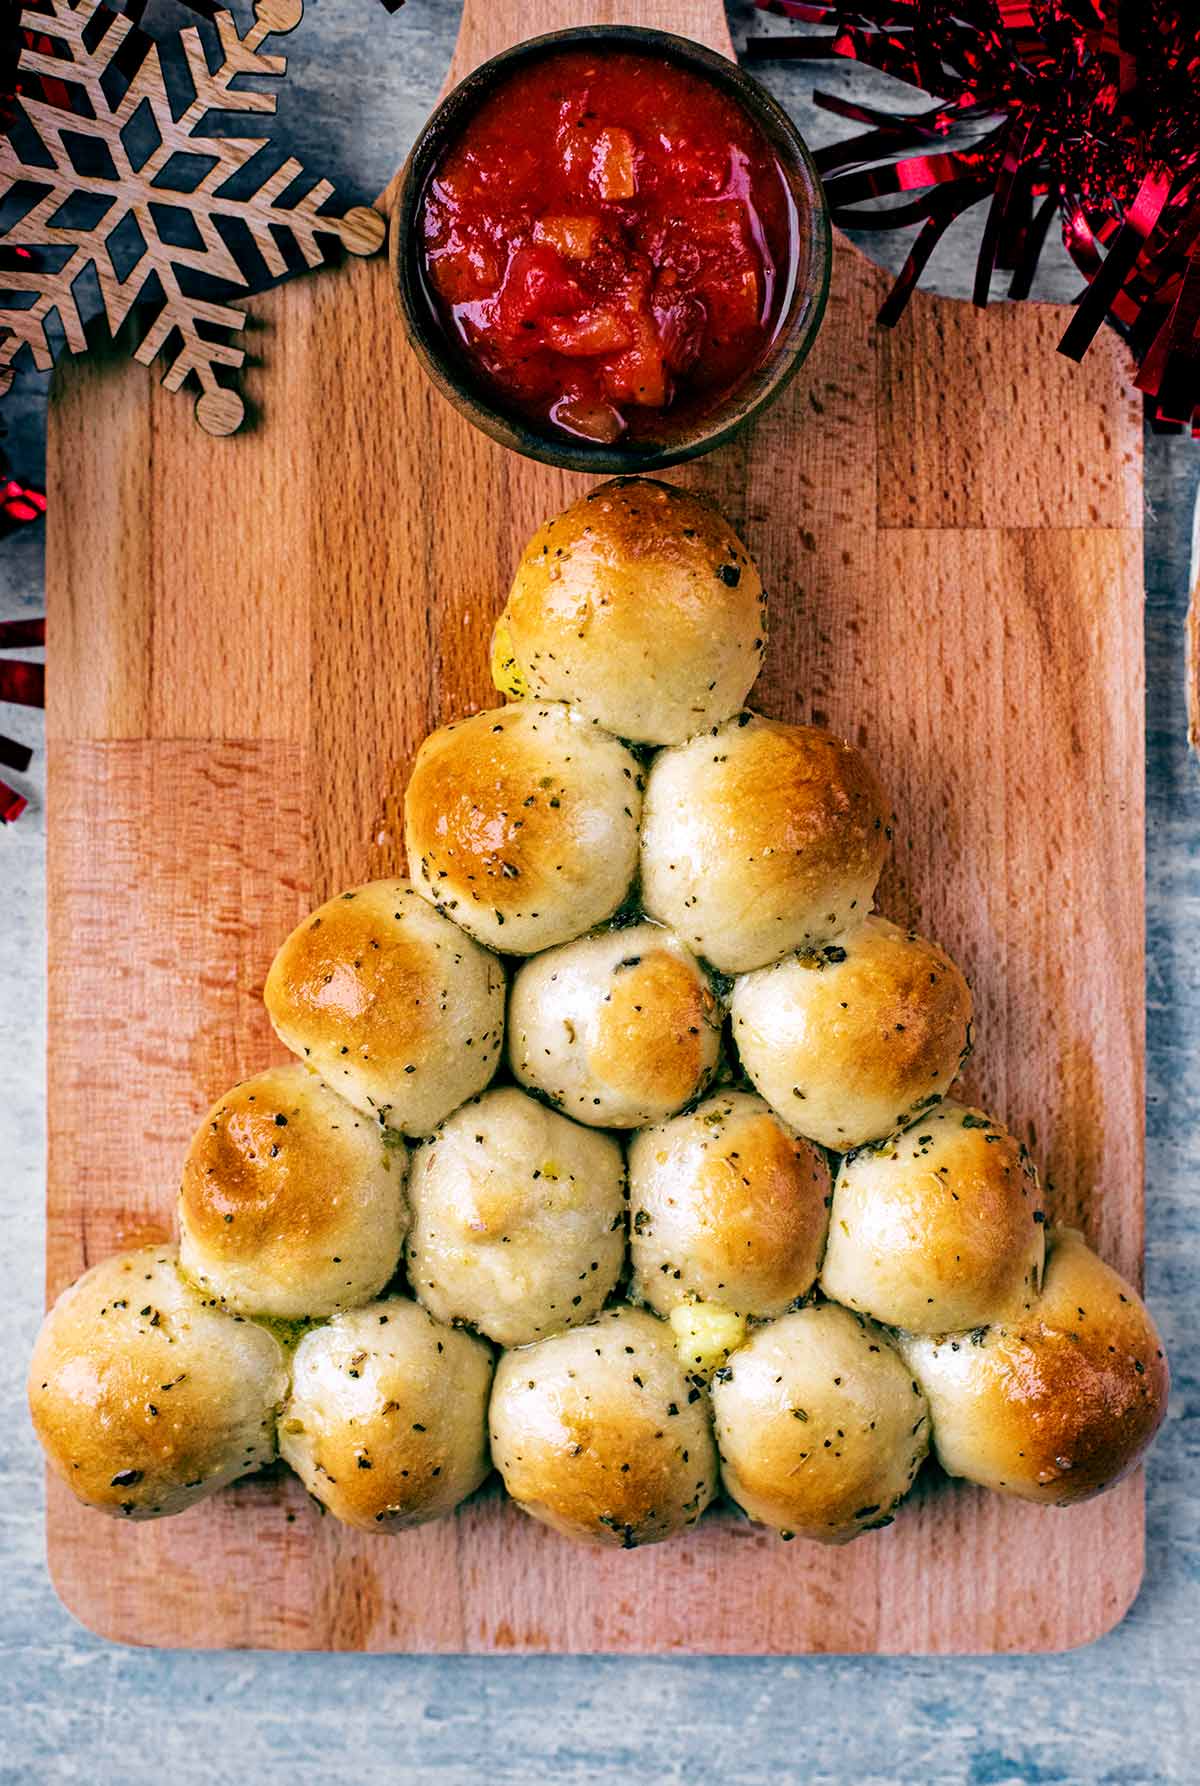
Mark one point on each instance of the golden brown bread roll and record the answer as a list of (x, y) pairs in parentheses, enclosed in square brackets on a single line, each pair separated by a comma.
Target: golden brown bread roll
[(386, 1423), (147, 1398), (641, 606), (390, 1003), (726, 1207), (849, 1041), (759, 838), (820, 1426), (292, 1204), (939, 1228), (1058, 1403), (518, 1219), (522, 823), (600, 1433), (619, 1029)]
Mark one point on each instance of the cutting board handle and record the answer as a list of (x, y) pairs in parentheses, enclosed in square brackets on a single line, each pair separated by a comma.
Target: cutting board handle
[(489, 26)]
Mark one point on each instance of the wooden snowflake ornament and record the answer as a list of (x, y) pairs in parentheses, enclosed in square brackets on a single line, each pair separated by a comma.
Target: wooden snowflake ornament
[(171, 202)]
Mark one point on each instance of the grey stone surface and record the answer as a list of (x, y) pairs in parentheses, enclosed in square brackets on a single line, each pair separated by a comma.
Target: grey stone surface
[(1123, 1711)]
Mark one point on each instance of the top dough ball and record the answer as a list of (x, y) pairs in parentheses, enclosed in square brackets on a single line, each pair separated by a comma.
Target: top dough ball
[(642, 607), (391, 1004), (522, 824), (145, 1397), (759, 838)]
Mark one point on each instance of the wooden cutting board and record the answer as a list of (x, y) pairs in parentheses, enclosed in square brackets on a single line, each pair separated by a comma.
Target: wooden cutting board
[(248, 640)]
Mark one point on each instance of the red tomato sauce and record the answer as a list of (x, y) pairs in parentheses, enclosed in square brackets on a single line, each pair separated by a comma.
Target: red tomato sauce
[(610, 236)]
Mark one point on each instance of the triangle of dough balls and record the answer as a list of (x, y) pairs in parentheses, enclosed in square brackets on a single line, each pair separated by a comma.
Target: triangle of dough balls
[(616, 1148)]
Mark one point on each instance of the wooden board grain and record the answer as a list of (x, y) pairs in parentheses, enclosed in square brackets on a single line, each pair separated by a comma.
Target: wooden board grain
[(249, 638)]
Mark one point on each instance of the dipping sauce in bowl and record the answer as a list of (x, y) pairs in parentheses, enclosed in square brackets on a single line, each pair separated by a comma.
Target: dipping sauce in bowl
[(609, 236), (612, 247)]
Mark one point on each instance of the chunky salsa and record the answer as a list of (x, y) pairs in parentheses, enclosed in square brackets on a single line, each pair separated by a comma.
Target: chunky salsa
[(610, 236)]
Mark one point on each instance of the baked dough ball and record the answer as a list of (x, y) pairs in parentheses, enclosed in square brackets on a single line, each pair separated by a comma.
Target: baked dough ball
[(759, 838), (518, 1219), (849, 1041), (1061, 1402), (618, 1029), (601, 1434), (386, 1423), (642, 607), (522, 824), (391, 1004), (291, 1203), (728, 1207), (939, 1228), (820, 1425), (146, 1398)]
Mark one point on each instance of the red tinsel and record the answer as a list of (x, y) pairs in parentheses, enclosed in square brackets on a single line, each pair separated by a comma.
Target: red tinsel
[(1086, 107), (25, 684), (20, 683)]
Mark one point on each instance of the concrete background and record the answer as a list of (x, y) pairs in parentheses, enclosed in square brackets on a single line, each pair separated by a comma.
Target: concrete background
[(1123, 1711)]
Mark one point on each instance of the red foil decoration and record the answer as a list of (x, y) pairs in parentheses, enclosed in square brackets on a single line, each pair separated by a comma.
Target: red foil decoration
[(1087, 108), (17, 633), (23, 684), (13, 755), (19, 504)]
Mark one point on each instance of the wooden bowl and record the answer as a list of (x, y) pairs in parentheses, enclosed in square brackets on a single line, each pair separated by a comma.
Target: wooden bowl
[(678, 438)]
